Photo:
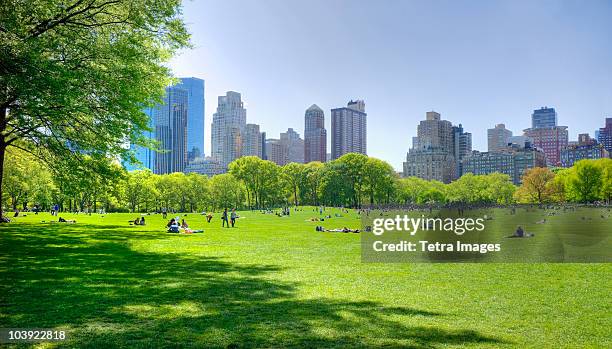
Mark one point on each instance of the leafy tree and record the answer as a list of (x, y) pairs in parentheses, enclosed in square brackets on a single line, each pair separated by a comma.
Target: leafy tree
[(310, 182), (354, 168), (606, 179), (537, 186), (75, 75), (227, 191), (292, 175), (198, 191), (379, 180), (136, 187), (587, 181), (411, 189)]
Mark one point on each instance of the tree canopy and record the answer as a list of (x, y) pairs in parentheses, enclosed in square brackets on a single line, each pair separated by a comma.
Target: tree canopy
[(75, 75)]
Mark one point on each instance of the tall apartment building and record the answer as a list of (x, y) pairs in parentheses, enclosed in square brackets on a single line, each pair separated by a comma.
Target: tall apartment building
[(546, 135), (551, 140), (252, 145), (228, 128), (294, 146), (498, 137), (171, 131), (315, 135), (462, 146), (276, 152), (436, 148), (349, 129), (604, 136), (544, 117), (195, 116)]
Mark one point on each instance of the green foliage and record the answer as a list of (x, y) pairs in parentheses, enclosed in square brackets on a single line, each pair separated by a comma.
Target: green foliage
[(227, 191), (75, 75)]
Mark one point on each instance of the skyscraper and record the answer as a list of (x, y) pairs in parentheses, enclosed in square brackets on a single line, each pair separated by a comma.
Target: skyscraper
[(252, 141), (228, 128), (294, 146), (434, 149), (315, 135), (497, 137), (276, 152), (171, 131), (145, 156), (194, 136), (462, 146), (348, 127), (195, 116), (604, 136), (551, 140), (544, 117), (546, 135)]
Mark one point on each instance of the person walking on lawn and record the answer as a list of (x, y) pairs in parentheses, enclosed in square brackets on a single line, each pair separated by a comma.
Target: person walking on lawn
[(224, 219), (233, 217)]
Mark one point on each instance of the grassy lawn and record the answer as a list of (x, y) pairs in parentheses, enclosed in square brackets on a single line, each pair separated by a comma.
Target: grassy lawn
[(275, 282)]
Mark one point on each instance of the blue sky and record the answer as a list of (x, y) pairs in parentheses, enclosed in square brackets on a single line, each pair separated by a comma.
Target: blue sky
[(477, 63)]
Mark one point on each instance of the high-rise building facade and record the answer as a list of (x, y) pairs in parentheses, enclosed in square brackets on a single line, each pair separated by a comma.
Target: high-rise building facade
[(544, 117), (512, 160), (551, 140), (436, 149), (604, 136), (497, 137), (145, 156), (349, 129), (315, 135), (195, 116), (194, 127), (294, 146), (276, 152), (171, 131), (228, 128), (253, 145), (462, 146), (434, 133)]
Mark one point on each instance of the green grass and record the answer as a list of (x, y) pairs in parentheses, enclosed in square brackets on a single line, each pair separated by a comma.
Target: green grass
[(275, 282)]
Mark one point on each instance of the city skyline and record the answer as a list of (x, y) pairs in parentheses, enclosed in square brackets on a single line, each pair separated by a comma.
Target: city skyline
[(479, 65)]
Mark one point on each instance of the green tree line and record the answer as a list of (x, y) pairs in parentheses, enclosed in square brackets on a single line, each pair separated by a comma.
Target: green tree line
[(353, 180)]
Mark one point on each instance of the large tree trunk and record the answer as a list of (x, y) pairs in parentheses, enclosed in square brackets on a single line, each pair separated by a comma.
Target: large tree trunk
[(2, 152)]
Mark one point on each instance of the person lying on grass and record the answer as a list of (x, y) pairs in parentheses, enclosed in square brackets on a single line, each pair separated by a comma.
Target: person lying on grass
[(62, 220), (343, 230)]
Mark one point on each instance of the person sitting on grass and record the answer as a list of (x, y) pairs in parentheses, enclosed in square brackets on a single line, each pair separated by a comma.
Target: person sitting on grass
[(136, 221), (173, 226), (184, 224), (142, 221), (520, 233), (209, 217)]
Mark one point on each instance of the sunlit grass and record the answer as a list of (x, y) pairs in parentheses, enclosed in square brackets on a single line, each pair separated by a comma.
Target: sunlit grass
[(275, 282)]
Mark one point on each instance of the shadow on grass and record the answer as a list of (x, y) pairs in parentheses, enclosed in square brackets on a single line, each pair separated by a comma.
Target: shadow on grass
[(108, 295)]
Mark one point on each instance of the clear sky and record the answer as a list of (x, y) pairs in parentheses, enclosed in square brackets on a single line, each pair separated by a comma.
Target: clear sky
[(477, 63)]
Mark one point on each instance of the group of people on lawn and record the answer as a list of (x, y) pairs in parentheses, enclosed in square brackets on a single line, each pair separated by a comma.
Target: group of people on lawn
[(227, 218)]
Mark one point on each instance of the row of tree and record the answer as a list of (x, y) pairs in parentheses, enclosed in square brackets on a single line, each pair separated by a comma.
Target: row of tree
[(353, 180)]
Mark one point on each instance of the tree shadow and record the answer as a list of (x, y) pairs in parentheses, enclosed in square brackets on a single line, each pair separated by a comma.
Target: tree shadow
[(108, 295)]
